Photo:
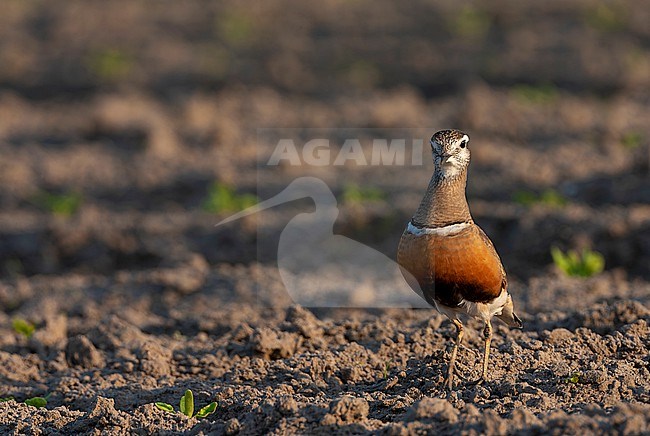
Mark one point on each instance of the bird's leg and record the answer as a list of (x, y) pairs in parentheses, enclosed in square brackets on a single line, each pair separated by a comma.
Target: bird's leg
[(487, 334), (454, 352)]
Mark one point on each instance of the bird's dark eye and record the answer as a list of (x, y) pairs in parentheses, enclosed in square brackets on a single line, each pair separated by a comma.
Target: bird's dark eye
[(463, 143)]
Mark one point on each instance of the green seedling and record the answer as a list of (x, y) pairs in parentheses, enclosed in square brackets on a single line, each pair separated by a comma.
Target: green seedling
[(186, 406), (525, 198), (607, 17), (59, 204), (164, 406), (207, 410), (38, 401), (471, 22), (362, 73), (585, 264), (632, 140), (573, 378), (535, 94), (23, 327), (4, 400), (110, 64), (235, 27), (549, 197), (387, 367), (354, 194), (222, 198)]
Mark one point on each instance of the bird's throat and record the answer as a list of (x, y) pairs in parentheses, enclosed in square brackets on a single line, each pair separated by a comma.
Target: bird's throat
[(444, 203)]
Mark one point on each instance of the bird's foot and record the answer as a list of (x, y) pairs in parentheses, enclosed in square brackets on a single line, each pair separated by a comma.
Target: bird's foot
[(449, 384), (449, 381), (480, 382)]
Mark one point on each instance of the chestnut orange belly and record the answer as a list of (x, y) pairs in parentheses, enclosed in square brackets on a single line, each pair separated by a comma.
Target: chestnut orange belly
[(450, 268)]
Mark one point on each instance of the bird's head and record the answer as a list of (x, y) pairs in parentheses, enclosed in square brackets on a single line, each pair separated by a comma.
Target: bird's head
[(450, 152)]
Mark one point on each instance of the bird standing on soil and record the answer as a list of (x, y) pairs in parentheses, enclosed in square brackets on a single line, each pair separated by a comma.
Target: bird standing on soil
[(451, 259)]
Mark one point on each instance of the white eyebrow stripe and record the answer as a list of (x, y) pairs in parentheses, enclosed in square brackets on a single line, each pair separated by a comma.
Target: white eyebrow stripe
[(449, 230)]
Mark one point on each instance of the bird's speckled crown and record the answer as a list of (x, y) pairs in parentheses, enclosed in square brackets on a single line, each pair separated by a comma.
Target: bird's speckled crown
[(447, 136)]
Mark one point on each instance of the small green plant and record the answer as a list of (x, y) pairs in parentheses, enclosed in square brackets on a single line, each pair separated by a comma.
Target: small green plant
[(362, 73), (632, 140), (23, 327), (573, 378), (186, 406), (607, 17), (223, 198), (354, 194), (34, 401), (471, 22), (549, 197), (166, 407), (535, 94), (109, 64), (387, 367), (585, 264), (38, 401), (59, 204), (235, 27)]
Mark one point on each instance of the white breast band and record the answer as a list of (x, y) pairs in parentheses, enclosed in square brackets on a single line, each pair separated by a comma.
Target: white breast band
[(451, 229)]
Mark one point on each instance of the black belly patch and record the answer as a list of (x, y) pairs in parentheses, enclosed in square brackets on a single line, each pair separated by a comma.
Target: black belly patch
[(453, 294)]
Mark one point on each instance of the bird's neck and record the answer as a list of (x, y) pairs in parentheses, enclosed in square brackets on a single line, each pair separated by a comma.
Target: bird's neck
[(444, 202)]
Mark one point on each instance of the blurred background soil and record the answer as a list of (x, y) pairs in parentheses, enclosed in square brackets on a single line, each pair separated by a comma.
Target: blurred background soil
[(128, 129)]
